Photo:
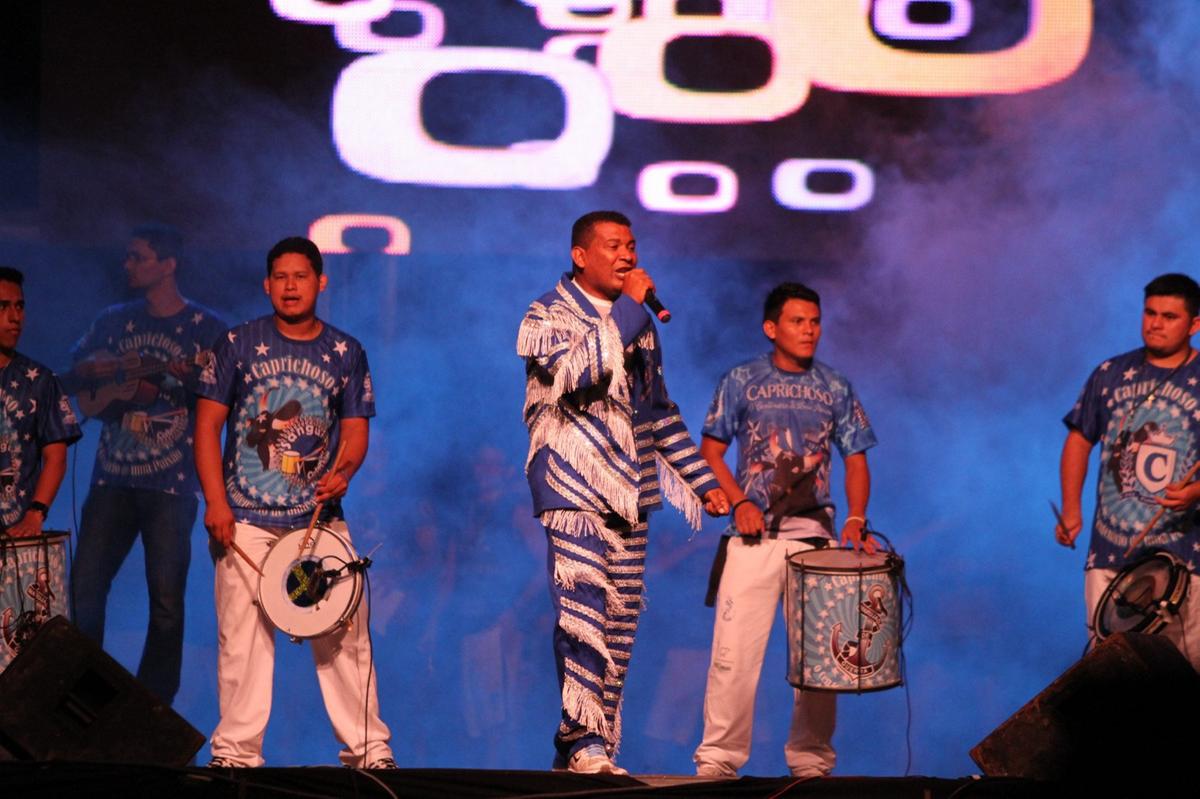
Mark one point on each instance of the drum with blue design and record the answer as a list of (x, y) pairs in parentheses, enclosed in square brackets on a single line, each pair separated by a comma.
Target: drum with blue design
[(33, 588), (844, 620)]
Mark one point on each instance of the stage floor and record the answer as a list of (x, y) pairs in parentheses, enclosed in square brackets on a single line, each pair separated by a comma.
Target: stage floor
[(96, 779)]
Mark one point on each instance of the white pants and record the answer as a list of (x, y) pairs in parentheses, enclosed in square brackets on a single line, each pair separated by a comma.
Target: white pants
[(1184, 631), (751, 587), (246, 666)]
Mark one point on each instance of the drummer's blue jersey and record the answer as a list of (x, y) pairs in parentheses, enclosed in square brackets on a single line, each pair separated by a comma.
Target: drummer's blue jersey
[(286, 398), (1146, 420), (784, 423), (34, 412)]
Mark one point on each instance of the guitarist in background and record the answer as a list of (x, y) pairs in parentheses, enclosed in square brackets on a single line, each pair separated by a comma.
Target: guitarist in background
[(135, 370)]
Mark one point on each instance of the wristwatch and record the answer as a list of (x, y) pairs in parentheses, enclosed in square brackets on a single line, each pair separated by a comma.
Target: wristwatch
[(40, 507)]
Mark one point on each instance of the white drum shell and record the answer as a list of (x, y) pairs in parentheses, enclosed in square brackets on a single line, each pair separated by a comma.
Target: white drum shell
[(341, 599)]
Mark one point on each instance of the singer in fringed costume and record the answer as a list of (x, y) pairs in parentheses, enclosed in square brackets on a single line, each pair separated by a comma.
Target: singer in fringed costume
[(606, 444)]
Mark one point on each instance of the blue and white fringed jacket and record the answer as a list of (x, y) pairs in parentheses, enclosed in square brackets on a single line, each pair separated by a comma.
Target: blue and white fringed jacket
[(604, 437)]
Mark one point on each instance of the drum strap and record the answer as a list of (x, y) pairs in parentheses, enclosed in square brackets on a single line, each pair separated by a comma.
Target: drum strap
[(714, 575)]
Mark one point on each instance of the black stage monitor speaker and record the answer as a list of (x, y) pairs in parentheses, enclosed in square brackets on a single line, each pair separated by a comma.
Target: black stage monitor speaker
[(1126, 711), (63, 698)]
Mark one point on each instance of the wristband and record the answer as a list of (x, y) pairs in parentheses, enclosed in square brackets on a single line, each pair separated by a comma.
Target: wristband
[(741, 501), (856, 518), (40, 507)]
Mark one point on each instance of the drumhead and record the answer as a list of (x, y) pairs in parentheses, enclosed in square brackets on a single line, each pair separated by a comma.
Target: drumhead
[(833, 561), (311, 594), (1139, 596)]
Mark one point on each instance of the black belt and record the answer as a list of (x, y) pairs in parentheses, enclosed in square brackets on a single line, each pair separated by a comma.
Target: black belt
[(718, 565)]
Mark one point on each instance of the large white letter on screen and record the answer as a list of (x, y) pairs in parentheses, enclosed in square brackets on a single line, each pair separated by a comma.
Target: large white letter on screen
[(329, 232), (846, 55), (655, 192), (318, 13), (789, 184), (565, 15), (378, 130), (890, 18), (631, 56), (359, 37)]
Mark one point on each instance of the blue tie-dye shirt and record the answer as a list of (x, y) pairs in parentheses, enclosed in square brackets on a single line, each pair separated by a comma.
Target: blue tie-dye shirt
[(1146, 419), (783, 423)]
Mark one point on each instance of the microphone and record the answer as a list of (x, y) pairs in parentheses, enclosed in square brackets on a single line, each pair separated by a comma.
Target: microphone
[(656, 305)]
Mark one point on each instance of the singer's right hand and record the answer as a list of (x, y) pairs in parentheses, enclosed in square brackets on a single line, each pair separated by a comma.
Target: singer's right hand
[(636, 284)]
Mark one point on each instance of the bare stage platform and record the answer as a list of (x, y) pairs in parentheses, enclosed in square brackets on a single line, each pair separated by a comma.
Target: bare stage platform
[(19, 779)]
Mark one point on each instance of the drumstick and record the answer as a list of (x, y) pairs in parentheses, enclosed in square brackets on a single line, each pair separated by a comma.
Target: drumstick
[(1136, 542), (245, 557), (1059, 519), (317, 510)]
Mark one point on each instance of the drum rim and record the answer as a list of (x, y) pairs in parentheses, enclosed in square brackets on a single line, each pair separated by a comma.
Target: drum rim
[(356, 588), (890, 562), (1175, 596)]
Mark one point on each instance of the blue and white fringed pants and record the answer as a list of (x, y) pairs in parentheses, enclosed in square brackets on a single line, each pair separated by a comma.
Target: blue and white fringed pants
[(596, 568)]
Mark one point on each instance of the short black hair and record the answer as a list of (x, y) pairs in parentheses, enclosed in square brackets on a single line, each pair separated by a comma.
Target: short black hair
[(300, 246), (166, 241), (1174, 284), (10, 275), (784, 292), (581, 231)]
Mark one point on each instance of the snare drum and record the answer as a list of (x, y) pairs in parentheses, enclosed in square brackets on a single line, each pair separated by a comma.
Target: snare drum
[(1144, 596), (309, 594), (844, 620), (33, 588)]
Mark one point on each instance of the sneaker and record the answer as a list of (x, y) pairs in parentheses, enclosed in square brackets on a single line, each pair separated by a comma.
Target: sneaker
[(592, 759), (713, 772), (224, 762), (382, 764)]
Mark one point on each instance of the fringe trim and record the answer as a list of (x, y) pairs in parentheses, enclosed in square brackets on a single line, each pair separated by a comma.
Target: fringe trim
[(555, 431), (569, 573), (616, 744), (676, 491), (587, 634), (586, 709), (576, 523)]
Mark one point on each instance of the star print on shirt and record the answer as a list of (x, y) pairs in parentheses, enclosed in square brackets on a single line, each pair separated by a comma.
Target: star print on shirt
[(197, 318), (32, 373), (1130, 373), (325, 357), (262, 348), (231, 336), (1104, 366), (129, 326), (178, 329), (340, 348)]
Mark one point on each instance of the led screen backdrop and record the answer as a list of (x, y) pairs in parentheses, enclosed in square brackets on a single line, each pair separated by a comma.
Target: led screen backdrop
[(979, 189)]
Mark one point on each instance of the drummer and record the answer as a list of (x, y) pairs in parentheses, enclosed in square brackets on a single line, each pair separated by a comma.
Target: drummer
[(784, 408), (36, 422), (1143, 406), (294, 390)]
